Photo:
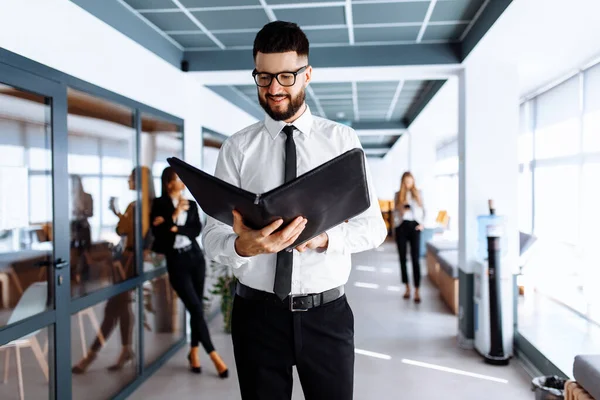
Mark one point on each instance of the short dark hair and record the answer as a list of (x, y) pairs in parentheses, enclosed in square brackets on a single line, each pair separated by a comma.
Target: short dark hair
[(280, 37)]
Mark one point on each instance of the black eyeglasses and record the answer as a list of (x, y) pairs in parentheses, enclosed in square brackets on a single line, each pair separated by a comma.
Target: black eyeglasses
[(264, 79)]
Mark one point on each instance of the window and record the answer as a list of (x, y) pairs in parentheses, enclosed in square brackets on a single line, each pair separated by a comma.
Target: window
[(557, 123), (525, 200), (558, 140), (591, 132), (591, 106), (556, 202)]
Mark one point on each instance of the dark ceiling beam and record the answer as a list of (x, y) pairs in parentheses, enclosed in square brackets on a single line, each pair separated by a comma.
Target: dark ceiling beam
[(417, 107), (240, 100), (122, 19), (382, 125), (368, 146), (333, 57), (482, 25)]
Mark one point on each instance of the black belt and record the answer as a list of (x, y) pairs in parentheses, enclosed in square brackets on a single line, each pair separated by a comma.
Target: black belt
[(294, 302), (184, 249)]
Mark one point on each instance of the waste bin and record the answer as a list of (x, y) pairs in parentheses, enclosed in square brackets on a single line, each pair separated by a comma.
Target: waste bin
[(548, 388)]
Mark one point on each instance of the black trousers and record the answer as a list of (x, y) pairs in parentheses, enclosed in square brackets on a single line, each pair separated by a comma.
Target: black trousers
[(187, 272), (407, 232), (269, 340), (117, 312)]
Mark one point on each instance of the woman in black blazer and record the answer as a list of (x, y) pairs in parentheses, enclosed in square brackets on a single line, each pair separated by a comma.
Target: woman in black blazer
[(176, 225)]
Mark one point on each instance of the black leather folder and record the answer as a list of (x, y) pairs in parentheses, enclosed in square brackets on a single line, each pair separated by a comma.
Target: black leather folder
[(326, 196)]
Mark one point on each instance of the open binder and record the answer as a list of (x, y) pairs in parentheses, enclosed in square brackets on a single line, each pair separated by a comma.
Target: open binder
[(326, 196)]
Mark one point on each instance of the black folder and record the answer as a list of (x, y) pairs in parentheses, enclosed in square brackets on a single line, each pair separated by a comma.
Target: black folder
[(326, 196)]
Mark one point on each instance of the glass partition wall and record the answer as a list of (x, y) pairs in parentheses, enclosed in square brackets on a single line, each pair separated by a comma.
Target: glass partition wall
[(86, 309)]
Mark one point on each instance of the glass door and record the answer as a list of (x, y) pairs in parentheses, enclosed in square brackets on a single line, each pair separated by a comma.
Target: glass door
[(34, 232)]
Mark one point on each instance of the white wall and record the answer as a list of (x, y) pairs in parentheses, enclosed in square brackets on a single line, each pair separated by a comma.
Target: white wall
[(63, 36), (386, 172)]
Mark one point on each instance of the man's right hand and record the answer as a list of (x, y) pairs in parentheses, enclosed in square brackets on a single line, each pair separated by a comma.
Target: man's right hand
[(253, 242)]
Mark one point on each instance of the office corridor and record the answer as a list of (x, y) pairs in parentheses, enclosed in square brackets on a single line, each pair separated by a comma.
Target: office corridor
[(404, 350)]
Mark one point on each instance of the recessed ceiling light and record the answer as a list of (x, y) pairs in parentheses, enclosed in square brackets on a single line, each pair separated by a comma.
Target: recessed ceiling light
[(341, 114)]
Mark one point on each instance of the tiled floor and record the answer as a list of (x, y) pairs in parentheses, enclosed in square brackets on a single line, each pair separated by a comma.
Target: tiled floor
[(415, 337)]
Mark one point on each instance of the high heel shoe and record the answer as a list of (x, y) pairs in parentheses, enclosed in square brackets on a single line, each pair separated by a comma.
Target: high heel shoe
[(407, 293), (125, 356), (85, 362), (417, 296), (219, 364), (194, 359)]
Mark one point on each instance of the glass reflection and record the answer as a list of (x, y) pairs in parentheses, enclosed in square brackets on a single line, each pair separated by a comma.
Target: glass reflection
[(25, 204), (104, 337), (163, 318), (25, 364), (101, 160)]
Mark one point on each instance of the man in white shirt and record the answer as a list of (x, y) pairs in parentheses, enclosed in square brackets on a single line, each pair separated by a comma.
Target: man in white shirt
[(270, 334)]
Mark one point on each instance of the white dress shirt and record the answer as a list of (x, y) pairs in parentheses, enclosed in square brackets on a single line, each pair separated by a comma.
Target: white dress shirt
[(253, 159), (416, 212), (181, 241)]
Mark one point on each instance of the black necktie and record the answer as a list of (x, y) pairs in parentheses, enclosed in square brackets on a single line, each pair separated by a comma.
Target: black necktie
[(283, 272)]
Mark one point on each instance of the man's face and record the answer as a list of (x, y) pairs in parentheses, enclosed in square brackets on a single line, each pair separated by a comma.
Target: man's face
[(282, 103)]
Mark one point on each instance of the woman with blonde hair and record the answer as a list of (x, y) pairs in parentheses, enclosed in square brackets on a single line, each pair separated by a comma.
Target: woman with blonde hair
[(118, 308), (410, 212)]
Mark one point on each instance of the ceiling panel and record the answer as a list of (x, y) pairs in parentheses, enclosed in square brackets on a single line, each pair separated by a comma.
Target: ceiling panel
[(327, 36), (456, 10), (235, 39), (232, 19), (171, 21), (218, 3), (389, 12), (313, 16), (271, 2), (194, 40), (444, 32), (150, 4), (332, 88), (400, 33), (374, 141)]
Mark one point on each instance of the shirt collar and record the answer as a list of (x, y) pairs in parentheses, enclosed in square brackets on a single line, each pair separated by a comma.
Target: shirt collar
[(303, 124)]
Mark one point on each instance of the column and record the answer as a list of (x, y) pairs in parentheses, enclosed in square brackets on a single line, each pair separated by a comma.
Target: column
[(488, 169)]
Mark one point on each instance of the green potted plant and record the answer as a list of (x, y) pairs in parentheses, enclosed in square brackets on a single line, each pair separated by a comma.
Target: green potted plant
[(224, 287)]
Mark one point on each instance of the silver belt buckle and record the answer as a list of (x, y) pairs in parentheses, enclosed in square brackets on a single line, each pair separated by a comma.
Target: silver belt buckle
[(292, 309)]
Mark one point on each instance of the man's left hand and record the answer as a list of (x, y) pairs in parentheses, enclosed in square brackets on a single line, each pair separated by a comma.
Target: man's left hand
[(319, 242)]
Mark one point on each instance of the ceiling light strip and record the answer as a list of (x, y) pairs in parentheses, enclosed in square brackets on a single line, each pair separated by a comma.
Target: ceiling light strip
[(475, 18), (195, 9), (246, 97), (198, 24), (355, 100), (381, 43), (306, 5), (335, 97), (344, 44), (268, 10), (426, 21), (151, 25), (394, 100), (315, 99), (390, 1), (349, 21), (252, 30)]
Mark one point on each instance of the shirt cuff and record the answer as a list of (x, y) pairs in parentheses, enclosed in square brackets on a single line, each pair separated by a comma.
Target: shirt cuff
[(238, 260), (336, 240)]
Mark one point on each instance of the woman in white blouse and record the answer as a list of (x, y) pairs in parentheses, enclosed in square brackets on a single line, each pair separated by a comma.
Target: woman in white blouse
[(410, 212)]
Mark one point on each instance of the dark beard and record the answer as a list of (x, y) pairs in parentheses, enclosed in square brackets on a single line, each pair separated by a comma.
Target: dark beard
[(293, 107)]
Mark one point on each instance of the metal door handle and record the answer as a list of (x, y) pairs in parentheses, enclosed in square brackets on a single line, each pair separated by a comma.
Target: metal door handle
[(59, 263)]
